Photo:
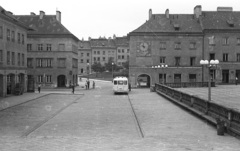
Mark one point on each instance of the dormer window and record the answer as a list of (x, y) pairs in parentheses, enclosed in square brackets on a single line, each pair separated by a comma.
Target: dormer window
[(176, 26), (103, 44), (230, 23)]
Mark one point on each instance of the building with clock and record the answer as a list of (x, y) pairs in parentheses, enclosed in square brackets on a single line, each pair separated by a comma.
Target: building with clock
[(168, 47)]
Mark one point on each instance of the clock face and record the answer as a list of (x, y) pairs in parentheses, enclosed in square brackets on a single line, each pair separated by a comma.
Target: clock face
[(143, 49)]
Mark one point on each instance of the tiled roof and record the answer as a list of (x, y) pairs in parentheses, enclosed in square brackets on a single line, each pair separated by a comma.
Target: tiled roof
[(122, 41), (84, 45), (106, 43), (160, 23), (47, 25), (220, 20), (10, 17)]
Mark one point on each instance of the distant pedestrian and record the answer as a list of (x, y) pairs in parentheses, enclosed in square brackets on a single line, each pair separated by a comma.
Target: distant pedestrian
[(88, 84), (129, 86), (93, 85), (73, 88), (236, 81), (39, 88)]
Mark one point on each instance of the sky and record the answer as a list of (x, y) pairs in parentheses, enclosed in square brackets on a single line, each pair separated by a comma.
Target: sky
[(95, 18)]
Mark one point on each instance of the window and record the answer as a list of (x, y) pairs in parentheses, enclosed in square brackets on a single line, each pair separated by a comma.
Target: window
[(81, 60), (81, 54), (19, 59), (8, 35), (29, 62), (1, 32), (19, 38), (103, 52), (98, 58), (177, 78), (94, 58), (74, 63), (23, 60), (225, 41), (98, 52), (94, 52), (162, 59), (177, 45), (29, 47), (211, 40), (48, 62), (48, 78), (81, 70), (238, 57), (49, 47), (13, 36), (88, 54), (104, 59), (211, 56), (61, 47), (1, 55), (44, 63), (13, 58), (87, 60), (192, 61), (61, 62), (122, 50), (119, 57), (192, 46), (40, 47), (238, 41), (177, 61), (119, 50), (127, 50), (23, 39), (225, 57), (40, 78), (122, 56), (162, 45), (8, 58), (192, 77)]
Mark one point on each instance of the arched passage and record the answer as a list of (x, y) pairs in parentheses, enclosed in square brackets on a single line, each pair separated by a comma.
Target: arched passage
[(143, 80), (61, 81)]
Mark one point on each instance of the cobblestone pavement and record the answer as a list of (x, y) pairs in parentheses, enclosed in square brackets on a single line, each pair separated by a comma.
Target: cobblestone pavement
[(227, 95), (102, 121)]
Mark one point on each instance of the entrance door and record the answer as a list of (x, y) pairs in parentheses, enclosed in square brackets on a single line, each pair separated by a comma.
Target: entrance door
[(143, 80), (177, 78), (225, 76), (61, 81), (30, 83)]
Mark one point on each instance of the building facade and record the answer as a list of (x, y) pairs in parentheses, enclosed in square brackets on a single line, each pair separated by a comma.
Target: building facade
[(13, 54), (52, 58), (122, 44), (84, 58)]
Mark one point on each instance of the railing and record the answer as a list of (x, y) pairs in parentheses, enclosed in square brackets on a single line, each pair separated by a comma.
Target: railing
[(230, 117), (189, 84)]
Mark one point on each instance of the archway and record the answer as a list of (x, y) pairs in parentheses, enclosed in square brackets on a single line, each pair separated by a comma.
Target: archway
[(143, 80), (61, 81), (10, 83)]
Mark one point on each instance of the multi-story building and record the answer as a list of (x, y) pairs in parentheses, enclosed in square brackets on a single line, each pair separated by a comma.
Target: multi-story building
[(122, 44), (52, 58), (180, 41), (84, 57), (13, 53), (173, 41)]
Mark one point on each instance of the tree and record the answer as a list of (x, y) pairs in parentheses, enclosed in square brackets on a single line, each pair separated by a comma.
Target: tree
[(97, 67)]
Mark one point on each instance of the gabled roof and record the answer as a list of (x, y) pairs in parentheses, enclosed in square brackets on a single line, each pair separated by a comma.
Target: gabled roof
[(176, 23), (229, 20), (48, 25)]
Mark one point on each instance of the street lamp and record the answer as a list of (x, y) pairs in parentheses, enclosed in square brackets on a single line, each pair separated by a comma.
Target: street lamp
[(112, 69), (162, 66), (209, 65), (88, 71)]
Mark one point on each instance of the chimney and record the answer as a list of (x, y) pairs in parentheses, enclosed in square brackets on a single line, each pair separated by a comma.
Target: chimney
[(42, 13), (32, 13), (198, 11), (150, 14), (224, 9), (167, 13), (58, 16)]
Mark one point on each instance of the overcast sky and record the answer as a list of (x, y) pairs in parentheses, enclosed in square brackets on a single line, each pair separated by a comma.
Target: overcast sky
[(95, 18)]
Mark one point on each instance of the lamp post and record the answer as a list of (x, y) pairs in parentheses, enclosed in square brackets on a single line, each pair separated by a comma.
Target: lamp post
[(161, 66), (88, 71), (112, 69), (209, 65)]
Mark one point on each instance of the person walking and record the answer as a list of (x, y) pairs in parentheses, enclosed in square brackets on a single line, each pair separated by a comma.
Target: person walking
[(93, 85), (39, 88), (236, 81), (73, 88), (88, 84)]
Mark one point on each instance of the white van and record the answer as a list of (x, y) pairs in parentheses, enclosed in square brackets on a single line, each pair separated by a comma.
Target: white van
[(120, 85)]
